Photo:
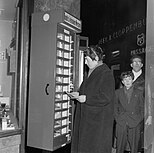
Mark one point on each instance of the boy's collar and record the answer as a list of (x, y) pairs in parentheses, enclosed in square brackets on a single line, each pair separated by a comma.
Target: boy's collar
[(128, 88), (139, 72)]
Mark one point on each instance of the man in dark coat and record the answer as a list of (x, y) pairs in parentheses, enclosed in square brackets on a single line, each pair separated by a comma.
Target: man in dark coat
[(93, 122), (139, 82)]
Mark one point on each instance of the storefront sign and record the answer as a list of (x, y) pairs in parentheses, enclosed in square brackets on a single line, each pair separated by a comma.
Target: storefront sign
[(142, 50), (72, 20), (130, 28), (137, 51), (140, 41)]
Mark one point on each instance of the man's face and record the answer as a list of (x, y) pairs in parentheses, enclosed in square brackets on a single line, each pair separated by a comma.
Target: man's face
[(136, 64), (127, 81), (90, 63)]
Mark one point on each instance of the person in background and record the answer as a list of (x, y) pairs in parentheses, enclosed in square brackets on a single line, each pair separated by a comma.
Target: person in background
[(139, 82), (94, 112), (129, 113), (139, 76)]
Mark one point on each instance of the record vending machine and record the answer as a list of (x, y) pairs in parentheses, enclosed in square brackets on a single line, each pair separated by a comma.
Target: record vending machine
[(52, 73)]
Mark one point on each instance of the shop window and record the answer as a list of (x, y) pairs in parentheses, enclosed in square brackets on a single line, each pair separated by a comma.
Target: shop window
[(9, 67)]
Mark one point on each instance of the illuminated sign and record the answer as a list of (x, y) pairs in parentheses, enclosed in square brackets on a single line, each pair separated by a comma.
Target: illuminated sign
[(72, 20), (140, 39), (138, 51), (123, 31)]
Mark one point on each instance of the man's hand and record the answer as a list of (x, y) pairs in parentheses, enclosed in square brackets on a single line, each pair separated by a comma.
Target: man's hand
[(149, 120), (73, 95), (82, 98)]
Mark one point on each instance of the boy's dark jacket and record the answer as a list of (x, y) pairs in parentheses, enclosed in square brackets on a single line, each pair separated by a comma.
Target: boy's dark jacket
[(131, 113)]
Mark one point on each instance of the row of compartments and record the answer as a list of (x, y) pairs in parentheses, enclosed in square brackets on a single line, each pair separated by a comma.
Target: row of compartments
[(64, 54), (61, 89), (62, 114), (62, 131), (65, 46), (65, 37), (62, 96), (63, 80), (61, 123), (64, 71), (62, 105)]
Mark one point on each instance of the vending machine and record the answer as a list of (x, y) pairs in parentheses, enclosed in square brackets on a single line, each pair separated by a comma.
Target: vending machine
[(52, 73)]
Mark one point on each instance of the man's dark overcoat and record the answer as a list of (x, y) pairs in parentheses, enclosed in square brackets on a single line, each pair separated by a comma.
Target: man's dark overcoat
[(140, 82), (93, 122)]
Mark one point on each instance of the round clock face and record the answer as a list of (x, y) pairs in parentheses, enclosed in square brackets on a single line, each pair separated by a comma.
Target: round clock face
[(46, 17)]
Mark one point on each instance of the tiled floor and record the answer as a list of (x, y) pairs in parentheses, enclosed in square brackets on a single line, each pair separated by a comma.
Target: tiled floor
[(114, 151), (65, 149)]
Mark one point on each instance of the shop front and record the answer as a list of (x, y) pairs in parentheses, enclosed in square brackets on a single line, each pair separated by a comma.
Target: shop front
[(10, 77)]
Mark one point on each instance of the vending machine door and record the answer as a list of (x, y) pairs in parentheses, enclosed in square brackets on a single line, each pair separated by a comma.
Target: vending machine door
[(82, 43)]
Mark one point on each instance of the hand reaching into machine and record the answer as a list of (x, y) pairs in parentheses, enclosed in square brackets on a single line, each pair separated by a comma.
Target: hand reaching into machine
[(75, 95)]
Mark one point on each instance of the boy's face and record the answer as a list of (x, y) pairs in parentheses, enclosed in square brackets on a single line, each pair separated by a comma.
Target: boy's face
[(127, 81)]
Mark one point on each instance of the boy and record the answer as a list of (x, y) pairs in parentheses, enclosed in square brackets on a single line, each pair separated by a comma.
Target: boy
[(129, 112)]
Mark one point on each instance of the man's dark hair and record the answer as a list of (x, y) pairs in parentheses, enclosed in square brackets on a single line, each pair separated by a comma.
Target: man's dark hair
[(92, 51), (136, 56)]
